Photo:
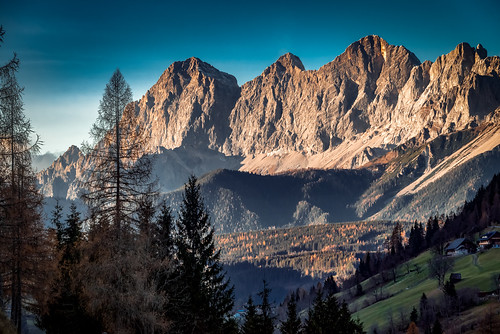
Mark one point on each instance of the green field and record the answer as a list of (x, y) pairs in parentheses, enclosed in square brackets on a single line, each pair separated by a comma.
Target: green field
[(478, 271)]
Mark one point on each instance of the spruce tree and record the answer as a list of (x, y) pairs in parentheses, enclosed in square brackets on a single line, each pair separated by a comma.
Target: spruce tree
[(162, 249), (436, 328), (316, 315), (267, 319), (292, 325), (251, 324), (65, 311), (345, 323), (326, 314), (414, 315), (163, 234), (331, 286), (207, 296)]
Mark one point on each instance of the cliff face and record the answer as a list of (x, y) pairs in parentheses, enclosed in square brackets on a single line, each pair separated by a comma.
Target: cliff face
[(370, 99), (365, 102), (288, 111), (188, 106), (63, 179)]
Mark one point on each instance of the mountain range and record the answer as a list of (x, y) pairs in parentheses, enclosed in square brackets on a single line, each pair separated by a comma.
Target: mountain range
[(374, 134)]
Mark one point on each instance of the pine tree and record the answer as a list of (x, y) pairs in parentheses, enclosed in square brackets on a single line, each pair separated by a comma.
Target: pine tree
[(267, 319), (315, 318), (292, 325), (331, 286), (327, 314), (425, 313), (163, 234), (436, 328), (251, 324), (163, 254), (56, 222), (416, 240), (207, 296), (65, 311), (414, 315), (346, 323), (396, 240)]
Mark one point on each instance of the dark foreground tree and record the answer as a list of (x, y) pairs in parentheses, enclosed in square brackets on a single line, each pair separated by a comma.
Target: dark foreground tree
[(251, 321), (267, 318), (118, 266), (326, 314), (65, 311), (436, 328), (292, 324), (207, 298), (23, 241), (331, 286)]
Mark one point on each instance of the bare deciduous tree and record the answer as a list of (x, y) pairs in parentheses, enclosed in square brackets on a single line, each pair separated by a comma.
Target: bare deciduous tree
[(22, 237), (118, 266), (439, 265)]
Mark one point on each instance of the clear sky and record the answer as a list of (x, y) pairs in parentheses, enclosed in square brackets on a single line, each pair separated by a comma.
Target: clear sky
[(69, 49)]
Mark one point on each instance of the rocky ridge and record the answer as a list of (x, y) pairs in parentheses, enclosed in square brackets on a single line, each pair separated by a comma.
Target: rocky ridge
[(370, 100)]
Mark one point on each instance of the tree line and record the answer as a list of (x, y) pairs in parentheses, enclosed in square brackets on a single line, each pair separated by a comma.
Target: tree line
[(326, 314)]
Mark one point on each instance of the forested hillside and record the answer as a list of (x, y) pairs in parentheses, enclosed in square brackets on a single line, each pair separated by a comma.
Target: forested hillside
[(241, 201)]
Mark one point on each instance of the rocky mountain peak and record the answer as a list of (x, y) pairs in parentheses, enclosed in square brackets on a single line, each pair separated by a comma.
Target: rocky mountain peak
[(481, 52), (194, 68), (290, 60), (287, 63), (189, 105), (72, 154), (371, 46)]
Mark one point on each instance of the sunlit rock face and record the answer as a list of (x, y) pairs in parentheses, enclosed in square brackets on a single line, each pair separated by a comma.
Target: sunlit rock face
[(368, 100), (63, 179), (188, 106)]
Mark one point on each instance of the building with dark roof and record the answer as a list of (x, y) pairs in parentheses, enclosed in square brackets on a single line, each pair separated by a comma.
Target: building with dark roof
[(490, 239), (460, 246)]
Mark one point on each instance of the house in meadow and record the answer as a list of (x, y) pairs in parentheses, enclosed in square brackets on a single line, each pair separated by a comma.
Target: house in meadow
[(460, 246), (489, 240)]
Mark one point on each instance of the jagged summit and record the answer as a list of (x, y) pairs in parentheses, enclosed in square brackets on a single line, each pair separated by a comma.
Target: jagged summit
[(287, 63), (375, 46), (70, 156), (192, 68), (481, 51), (289, 60)]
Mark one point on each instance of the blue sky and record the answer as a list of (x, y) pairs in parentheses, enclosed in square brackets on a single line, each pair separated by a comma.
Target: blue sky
[(69, 49)]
